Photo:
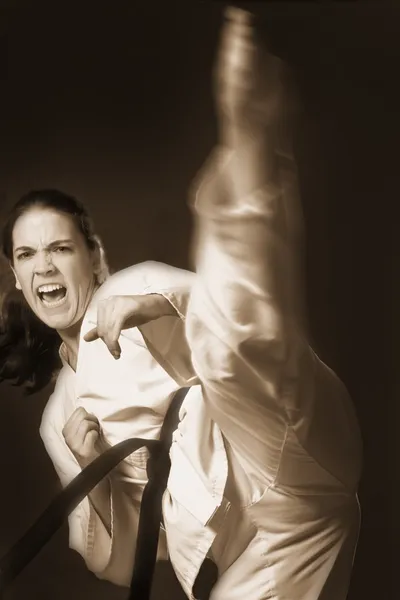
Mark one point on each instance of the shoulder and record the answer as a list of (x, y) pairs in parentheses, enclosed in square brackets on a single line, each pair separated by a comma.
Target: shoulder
[(149, 276), (136, 278), (130, 279)]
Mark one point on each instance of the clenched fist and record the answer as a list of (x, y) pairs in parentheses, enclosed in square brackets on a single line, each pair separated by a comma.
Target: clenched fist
[(81, 434), (123, 312)]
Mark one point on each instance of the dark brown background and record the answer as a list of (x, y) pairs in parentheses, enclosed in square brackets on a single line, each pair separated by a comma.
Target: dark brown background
[(115, 106)]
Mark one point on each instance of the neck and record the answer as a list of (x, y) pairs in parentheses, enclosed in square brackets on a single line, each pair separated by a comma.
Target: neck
[(70, 337)]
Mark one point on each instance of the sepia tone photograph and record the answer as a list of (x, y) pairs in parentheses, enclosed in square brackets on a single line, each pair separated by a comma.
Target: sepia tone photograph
[(197, 201)]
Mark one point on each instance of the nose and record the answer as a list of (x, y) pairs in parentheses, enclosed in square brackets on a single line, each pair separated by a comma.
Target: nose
[(43, 264)]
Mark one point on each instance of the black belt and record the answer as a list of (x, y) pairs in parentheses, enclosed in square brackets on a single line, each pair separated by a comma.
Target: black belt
[(158, 467), (53, 517)]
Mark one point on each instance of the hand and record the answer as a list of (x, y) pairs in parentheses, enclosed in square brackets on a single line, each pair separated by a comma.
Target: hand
[(81, 434), (123, 312), (251, 84)]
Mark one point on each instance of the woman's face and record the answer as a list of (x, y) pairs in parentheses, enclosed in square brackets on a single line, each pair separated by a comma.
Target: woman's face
[(53, 267)]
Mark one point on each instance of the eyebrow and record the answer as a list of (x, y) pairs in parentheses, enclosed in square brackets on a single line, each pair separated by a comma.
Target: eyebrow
[(48, 247)]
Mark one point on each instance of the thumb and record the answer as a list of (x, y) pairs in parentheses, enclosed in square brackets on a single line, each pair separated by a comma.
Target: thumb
[(91, 335)]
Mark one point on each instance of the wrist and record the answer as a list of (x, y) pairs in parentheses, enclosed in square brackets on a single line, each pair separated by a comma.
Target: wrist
[(160, 307), (84, 461)]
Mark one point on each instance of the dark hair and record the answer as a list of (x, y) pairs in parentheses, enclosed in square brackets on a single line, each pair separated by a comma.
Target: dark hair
[(52, 199), (28, 348)]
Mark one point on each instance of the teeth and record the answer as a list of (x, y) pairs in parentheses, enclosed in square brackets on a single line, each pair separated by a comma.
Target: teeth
[(50, 287), (54, 304)]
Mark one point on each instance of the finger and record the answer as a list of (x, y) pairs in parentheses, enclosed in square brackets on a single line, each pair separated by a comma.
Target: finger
[(86, 427), (111, 341), (91, 437), (111, 335), (101, 324), (78, 416), (91, 417), (90, 442), (73, 422), (76, 432), (91, 335), (109, 326)]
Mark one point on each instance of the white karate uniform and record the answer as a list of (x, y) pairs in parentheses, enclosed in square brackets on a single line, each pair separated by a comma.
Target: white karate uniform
[(267, 456)]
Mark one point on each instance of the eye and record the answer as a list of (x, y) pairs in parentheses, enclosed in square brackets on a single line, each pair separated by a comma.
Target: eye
[(61, 249), (24, 255)]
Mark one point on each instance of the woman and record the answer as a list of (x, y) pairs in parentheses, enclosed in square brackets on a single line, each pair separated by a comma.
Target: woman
[(266, 460), (59, 266)]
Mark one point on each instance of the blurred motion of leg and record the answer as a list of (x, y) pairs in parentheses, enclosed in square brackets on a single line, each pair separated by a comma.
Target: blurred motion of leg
[(298, 540)]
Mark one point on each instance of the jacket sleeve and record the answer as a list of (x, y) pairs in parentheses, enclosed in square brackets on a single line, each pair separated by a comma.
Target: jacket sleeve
[(166, 337)]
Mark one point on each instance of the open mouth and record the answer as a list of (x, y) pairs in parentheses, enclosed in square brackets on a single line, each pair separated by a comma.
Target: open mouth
[(52, 294)]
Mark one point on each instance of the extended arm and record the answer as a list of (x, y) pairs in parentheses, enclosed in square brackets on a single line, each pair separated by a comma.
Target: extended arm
[(153, 297)]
